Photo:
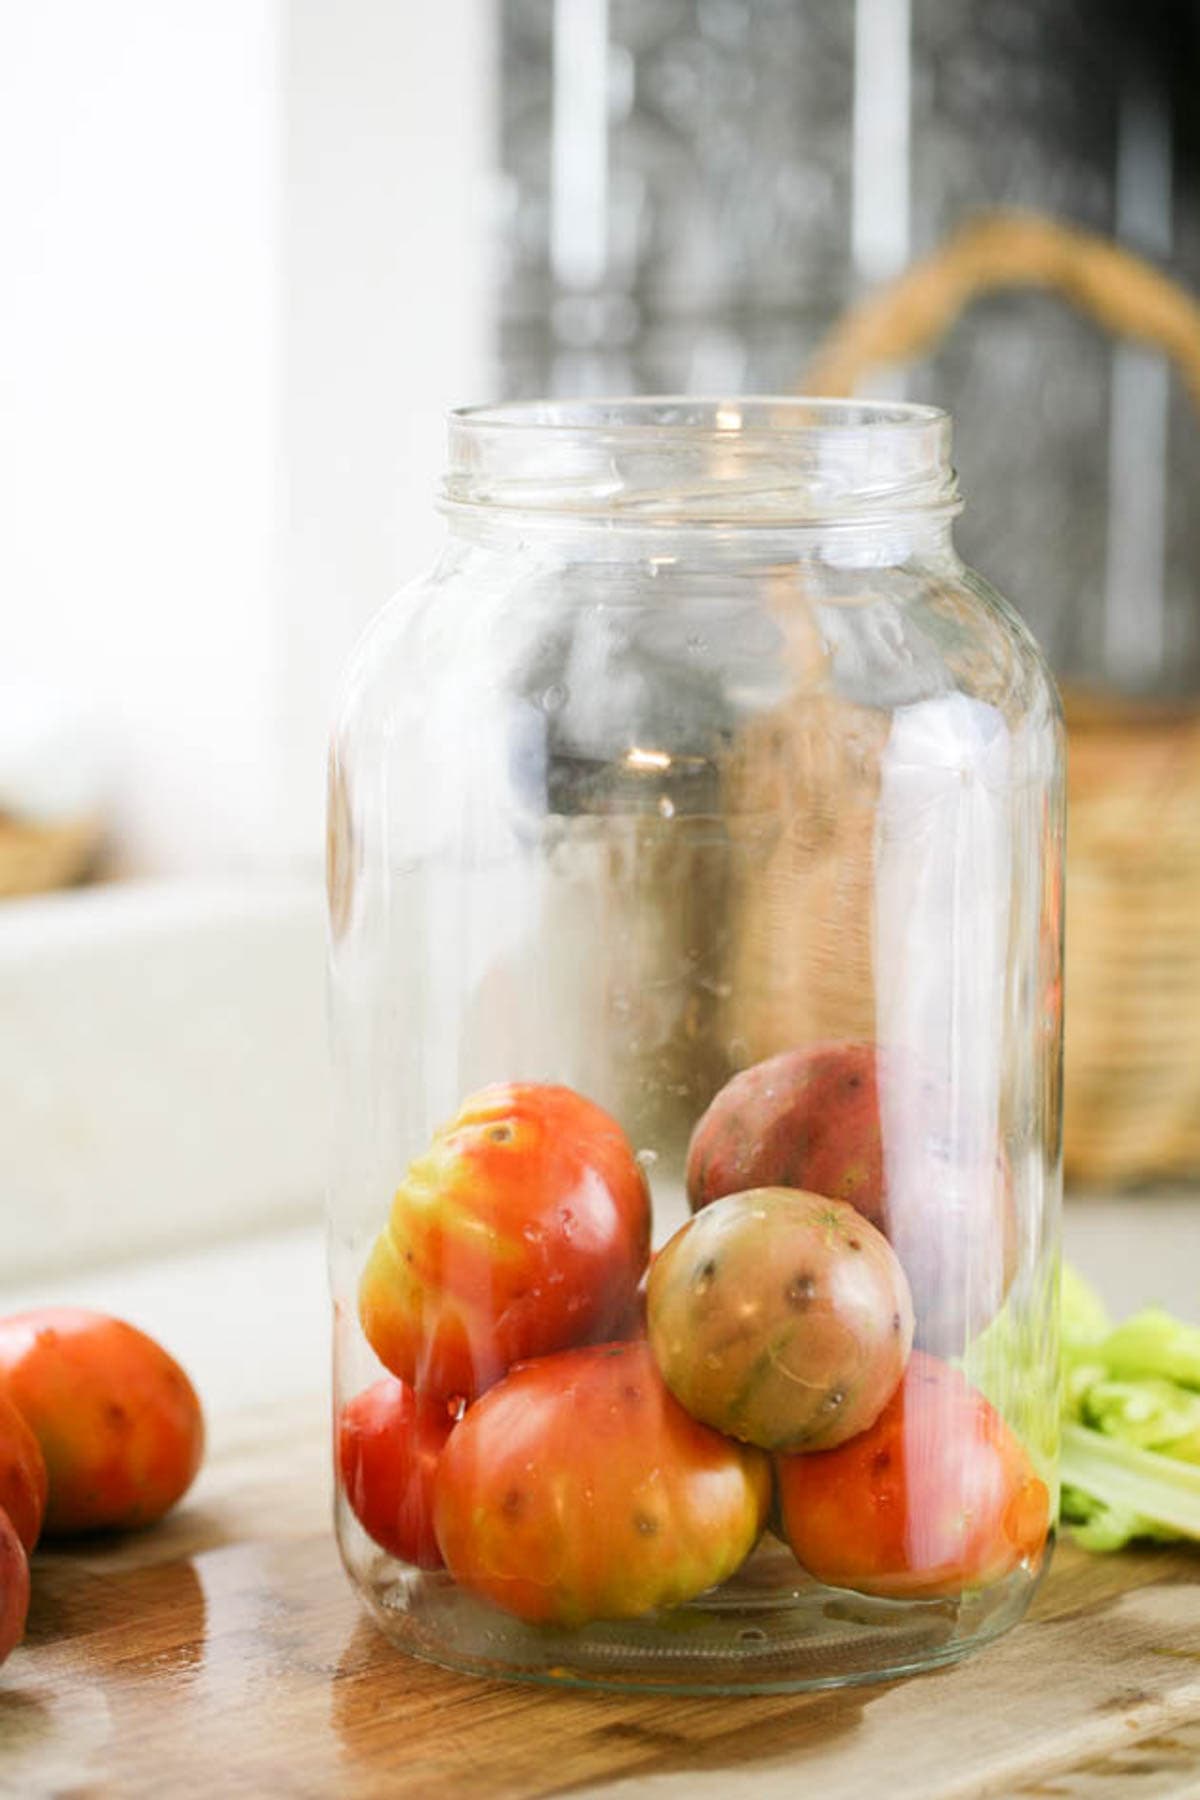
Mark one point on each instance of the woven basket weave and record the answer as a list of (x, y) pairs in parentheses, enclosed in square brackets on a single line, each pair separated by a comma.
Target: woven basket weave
[(1131, 1082), (1132, 1072)]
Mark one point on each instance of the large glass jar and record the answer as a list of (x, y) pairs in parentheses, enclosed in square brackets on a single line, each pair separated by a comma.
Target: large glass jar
[(695, 847)]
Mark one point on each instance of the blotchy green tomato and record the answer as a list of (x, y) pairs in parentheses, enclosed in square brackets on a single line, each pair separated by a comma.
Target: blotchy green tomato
[(577, 1488), (782, 1318)]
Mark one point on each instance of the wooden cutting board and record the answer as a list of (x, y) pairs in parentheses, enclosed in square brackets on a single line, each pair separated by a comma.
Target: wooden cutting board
[(225, 1654)]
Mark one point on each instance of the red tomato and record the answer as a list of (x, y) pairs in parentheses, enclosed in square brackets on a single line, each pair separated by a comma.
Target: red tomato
[(22, 1475), (524, 1228), (389, 1441), (867, 1125), (14, 1587), (117, 1419), (937, 1496), (578, 1488)]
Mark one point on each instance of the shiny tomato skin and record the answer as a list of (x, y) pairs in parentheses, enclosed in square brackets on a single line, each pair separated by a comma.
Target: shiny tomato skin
[(937, 1496), (23, 1480), (525, 1228), (117, 1419), (14, 1587), (389, 1441), (578, 1488)]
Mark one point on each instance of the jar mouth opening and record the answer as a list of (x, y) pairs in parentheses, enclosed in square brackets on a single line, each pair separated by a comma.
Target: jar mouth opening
[(755, 460)]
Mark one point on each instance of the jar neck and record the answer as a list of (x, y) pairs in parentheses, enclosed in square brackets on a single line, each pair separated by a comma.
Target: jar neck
[(905, 540), (805, 470)]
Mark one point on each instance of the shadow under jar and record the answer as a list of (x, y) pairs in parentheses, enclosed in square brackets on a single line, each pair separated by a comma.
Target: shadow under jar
[(695, 844)]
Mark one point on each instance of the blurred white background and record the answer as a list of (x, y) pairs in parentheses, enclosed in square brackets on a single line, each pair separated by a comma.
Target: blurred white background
[(245, 272), (244, 276)]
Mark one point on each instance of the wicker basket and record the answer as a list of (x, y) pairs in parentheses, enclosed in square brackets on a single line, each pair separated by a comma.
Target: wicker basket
[(1132, 1073), (1131, 1084), (35, 858)]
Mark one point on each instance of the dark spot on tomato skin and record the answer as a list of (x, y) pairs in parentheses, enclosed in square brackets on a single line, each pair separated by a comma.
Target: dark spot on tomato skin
[(116, 1416), (703, 1278), (854, 1243), (513, 1503), (644, 1525), (631, 1391), (881, 1461), (800, 1290), (895, 1321), (500, 1134)]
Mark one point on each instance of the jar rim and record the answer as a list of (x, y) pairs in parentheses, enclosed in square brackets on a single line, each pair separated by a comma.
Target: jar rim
[(694, 415), (777, 461)]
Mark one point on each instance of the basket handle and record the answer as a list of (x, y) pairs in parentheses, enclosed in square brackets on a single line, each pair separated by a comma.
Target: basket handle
[(1121, 291)]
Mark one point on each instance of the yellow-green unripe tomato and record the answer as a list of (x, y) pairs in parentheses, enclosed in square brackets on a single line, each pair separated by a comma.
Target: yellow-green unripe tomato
[(781, 1318)]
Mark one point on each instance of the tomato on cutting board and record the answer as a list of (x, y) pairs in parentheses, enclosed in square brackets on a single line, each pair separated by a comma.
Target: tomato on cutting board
[(14, 1587), (23, 1479), (117, 1419)]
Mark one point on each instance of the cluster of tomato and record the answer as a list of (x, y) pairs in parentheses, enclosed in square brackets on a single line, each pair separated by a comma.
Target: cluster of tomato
[(576, 1431), (100, 1430)]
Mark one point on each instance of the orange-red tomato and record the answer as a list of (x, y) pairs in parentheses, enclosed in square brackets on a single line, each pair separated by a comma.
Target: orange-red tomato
[(937, 1496), (578, 1488), (523, 1229), (389, 1441), (14, 1587), (22, 1475), (117, 1419)]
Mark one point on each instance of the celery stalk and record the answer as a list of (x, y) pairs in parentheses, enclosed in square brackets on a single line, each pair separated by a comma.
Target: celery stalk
[(1132, 1480)]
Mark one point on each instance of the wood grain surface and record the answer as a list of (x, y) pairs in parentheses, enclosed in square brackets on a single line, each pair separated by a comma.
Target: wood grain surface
[(225, 1654)]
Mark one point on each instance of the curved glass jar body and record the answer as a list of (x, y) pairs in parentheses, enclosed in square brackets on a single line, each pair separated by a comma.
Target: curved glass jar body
[(699, 797)]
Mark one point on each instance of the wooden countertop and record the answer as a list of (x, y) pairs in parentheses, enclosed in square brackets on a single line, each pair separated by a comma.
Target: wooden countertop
[(225, 1653)]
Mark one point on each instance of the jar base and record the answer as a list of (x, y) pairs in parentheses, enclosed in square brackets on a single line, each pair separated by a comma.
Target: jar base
[(745, 1638)]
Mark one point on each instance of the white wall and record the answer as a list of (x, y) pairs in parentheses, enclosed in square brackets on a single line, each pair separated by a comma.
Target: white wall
[(140, 162), (242, 274), (388, 320)]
